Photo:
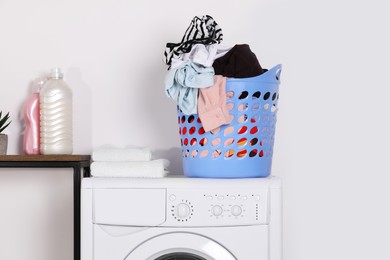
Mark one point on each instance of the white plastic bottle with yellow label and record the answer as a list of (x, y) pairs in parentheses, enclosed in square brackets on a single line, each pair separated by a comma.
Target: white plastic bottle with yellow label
[(56, 115)]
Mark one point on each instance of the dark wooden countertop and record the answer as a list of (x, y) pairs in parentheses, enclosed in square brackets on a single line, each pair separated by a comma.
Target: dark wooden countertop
[(45, 158)]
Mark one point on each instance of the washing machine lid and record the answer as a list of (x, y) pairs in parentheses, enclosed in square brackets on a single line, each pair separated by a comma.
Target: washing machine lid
[(182, 245), (178, 182)]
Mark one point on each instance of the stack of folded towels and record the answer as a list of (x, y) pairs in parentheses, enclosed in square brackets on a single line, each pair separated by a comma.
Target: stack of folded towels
[(136, 162)]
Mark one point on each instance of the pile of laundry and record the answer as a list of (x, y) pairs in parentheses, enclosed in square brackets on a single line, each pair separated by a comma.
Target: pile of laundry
[(136, 162), (198, 67)]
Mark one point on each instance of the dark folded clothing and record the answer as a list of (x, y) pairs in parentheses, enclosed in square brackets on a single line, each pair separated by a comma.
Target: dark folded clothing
[(239, 62)]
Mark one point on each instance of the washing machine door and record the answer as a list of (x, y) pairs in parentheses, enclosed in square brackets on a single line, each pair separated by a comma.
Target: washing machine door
[(180, 246)]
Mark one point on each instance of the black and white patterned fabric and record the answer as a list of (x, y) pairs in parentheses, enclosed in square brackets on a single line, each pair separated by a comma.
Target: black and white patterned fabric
[(201, 30)]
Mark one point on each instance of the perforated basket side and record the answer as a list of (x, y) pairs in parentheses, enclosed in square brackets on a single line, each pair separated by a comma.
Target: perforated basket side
[(242, 148)]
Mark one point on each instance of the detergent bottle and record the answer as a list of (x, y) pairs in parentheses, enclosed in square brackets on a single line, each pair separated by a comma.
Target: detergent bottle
[(31, 113), (56, 115)]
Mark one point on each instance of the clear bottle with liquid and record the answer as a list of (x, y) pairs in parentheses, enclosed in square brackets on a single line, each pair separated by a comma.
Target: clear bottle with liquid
[(31, 113), (56, 126)]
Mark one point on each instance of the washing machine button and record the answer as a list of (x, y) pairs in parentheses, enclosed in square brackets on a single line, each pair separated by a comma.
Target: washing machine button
[(209, 197), (172, 197), (220, 197), (216, 210), (236, 210), (244, 197), (183, 210)]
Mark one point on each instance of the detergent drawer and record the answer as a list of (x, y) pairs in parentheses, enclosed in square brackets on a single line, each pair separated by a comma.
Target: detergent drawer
[(129, 207)]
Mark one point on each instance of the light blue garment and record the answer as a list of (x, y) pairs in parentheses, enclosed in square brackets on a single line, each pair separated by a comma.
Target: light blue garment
[(182, 85)]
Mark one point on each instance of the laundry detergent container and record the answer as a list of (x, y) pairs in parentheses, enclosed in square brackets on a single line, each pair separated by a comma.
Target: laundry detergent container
[(243, 148)]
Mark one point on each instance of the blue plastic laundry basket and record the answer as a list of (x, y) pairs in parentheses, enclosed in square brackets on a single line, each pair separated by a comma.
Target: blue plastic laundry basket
[(243, 148)]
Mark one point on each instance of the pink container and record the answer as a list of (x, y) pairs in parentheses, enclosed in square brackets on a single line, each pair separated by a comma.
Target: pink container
[(31, 142)]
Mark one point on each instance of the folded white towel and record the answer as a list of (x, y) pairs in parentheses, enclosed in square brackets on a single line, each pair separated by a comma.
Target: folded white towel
[(115, 154), (151, 169)]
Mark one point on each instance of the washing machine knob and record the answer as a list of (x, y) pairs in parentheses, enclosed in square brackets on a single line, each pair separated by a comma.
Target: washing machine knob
[(216, 210), (236, 210), (183, 210)]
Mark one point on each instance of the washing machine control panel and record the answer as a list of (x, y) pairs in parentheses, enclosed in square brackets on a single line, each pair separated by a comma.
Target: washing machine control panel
[(217, 208)]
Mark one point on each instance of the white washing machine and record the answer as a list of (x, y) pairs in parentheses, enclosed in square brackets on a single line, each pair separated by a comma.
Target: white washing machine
[(181, 219)]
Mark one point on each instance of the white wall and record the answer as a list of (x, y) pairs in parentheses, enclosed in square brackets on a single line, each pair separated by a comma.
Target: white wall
[(332, 132)]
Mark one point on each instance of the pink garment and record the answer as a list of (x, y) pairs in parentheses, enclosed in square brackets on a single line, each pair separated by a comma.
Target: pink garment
[(212, 109)]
